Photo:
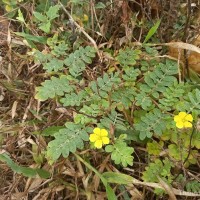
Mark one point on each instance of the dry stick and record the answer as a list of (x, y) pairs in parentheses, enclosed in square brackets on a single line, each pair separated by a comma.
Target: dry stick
[(10, 55), (185, 35), (177, 45), (92, 17), (81, 29), (167, 188), (158, 185), (178, 63), (95, 15)]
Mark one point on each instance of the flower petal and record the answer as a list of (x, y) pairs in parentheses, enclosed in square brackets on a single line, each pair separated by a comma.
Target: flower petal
[(105, 140), (104, 132), (97, 131), (182, 115), (179, 124), (98, 144), (187, 124), (189, 117), (177, 118), (93, 137)]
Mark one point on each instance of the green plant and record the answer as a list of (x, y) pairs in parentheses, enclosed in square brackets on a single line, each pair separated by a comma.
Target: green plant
[(132, 96), (151, 89)]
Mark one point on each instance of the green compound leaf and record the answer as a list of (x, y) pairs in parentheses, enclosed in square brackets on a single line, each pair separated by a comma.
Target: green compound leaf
[(171, 96), (158, 169), (77, 61), (191, 102), (114, 118), (120, 152), (130, 75), (143, 100), (41, 57), (83, 119), (93, 110), (60, 49), (196, 139), (94, 93), (154, 148), (53, 65), (193, 186), (50, 61), (177, 153), (125, 96), (74, 99), (156, 82), (152, 51), (152, 123), (128, 57), (194, 98), (180, 154), (53, 41), (104, 85), (53, 87), (26, 171), (67, 140), (146, 66)]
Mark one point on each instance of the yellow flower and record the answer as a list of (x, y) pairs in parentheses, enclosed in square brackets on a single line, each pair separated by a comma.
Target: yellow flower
[(183, 120), (99, 137)]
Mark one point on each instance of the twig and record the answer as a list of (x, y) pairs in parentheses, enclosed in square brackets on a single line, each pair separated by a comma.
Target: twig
[(178, 63), (185, 35), (92, 17), (81, 29), (174, 190), (167, 188)]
